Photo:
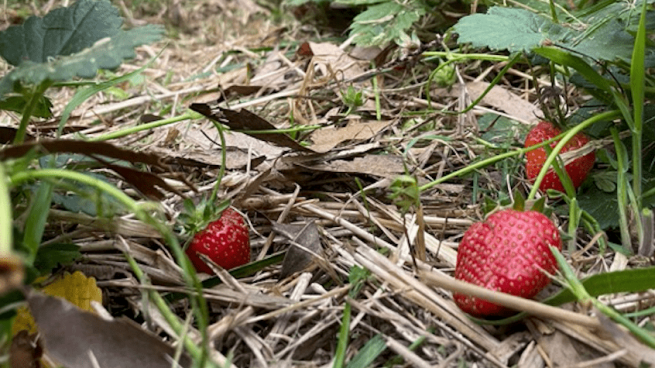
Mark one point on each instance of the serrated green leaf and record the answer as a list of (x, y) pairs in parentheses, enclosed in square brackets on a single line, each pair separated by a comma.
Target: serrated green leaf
[(608, 41), (61, 32), (104, 55), (70, 42), (605, 181), (516, 30), (602, 206), (385, 22), (603, 37)]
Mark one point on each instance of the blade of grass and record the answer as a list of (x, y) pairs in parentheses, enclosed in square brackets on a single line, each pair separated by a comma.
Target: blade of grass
[(637, 83), (368, 353), (6, 231), (626, 281), (84, 94), (583, 296), (621, 188), (36, 219)]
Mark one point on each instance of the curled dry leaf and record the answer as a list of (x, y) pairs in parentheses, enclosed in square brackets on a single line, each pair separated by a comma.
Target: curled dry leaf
[(79, 339)]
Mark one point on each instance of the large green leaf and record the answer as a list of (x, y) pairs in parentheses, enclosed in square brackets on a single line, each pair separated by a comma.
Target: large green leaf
[(63, 31), (70, 42), (385, 22), (516, 30), (601, 36)]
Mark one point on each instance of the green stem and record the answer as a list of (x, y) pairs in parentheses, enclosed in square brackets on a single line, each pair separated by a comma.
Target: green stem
[(583, 296), (166, 312), (486, 162), (453, 58), (35, 98), (608, 115), (190, 115), (342, 344), (6, 231), (221, 171), (27, 175), (198, 303), (621, 189)]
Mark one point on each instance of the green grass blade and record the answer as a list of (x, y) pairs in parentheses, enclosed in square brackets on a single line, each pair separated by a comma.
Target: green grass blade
[(36, 219), (342, 343), (84, 94), (637, 84), (6, 231), (626, 281), (368, 353)]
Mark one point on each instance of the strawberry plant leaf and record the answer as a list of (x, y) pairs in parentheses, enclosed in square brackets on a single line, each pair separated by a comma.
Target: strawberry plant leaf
[(519, 30), (516, 30), (61, 32), (385, 22), (602, 206), (69, 42), (59, 254)]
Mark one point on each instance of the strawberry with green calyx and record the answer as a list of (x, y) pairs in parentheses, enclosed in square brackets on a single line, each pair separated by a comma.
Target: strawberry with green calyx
[(219, 232), (508, 252), (577, 170)]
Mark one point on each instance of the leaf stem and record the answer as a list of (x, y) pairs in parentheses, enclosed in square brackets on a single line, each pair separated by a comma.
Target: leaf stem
[(35, 98)]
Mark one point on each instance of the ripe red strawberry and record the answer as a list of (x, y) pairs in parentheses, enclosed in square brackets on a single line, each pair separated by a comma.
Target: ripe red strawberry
[(508, 252), (577, 170), (225, 241)]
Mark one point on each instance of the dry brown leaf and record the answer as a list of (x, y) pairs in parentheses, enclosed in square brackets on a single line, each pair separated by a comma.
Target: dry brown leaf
[(501, 99), (79, 339), (246, 120), (378, 165), (303, 237), (329, 59), (327, 138)]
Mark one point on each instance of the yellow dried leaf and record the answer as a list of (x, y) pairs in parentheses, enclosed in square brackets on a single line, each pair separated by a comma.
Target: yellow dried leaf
[(77, 288)]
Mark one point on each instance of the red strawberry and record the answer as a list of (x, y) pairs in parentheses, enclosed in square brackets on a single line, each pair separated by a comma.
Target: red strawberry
[(509, 253), (577, 169), (225, 241)]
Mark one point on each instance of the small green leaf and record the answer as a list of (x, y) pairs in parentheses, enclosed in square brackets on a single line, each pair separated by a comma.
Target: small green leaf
[(605, 181), (602, 206), (50, 256), (519, 201), (18, 103), (36, 219), (539, 205)]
